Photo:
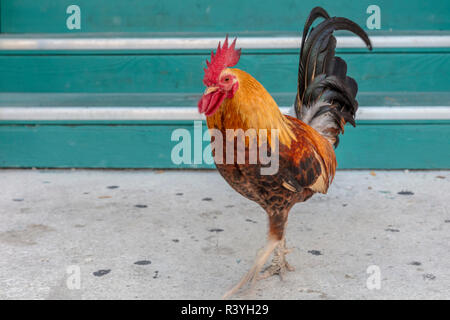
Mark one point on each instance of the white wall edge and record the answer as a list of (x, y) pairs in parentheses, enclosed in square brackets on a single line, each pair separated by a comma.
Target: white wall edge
[(141, 43), (191, 113)]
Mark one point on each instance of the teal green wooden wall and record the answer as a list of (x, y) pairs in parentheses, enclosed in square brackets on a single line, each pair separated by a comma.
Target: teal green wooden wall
[(375, 145), (386, 77), (145, 73), (214, 16)]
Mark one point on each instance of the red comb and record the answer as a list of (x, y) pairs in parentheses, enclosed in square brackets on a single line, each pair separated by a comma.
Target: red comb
[(225, 57)]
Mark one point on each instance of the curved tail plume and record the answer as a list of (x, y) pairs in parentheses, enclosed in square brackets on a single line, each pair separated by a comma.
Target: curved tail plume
[(326, 96)]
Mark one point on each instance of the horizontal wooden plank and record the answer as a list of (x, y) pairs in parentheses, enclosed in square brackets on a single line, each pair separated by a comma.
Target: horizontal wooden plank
[(221, 16), (117, 114), (376, 145), (148, 42), (146, 73)]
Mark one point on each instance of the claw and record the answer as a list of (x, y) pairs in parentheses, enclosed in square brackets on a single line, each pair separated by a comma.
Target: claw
[(279, 264), (252, 276)]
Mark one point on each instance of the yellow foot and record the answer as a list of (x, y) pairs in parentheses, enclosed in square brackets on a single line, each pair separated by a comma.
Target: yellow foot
[(277, 268), (279, 264), (252, 276)]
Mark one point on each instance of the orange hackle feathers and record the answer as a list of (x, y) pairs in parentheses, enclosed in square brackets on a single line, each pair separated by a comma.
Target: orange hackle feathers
[(252, 107)]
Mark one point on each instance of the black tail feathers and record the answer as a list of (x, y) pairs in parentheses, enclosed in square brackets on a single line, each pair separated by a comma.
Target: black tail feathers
[(326, 96)]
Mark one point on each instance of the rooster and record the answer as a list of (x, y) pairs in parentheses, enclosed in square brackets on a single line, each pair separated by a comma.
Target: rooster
[(325, 102)]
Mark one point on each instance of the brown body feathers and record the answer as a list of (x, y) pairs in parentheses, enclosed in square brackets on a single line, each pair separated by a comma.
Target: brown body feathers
[(306, 159)]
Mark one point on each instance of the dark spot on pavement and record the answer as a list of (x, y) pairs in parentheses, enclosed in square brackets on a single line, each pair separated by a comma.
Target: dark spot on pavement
[(207, 199), (429, 276), (447, 221), (143, 262), (250, 220), (415, 263), (112, 187), (440, 177), (315, 252), (179, 193), (215, 230), (18, 199), (101, 273), (141, 206), (175, 240), (156, 274), (392, 230), (405, 193), (229, 206), (344, 204)]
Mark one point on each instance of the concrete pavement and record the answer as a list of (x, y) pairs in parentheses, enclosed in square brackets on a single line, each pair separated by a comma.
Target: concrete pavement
[(124, 234)]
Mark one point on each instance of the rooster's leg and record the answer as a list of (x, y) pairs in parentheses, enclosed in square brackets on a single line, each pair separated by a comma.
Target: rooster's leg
[(279, 264), (253, 275)]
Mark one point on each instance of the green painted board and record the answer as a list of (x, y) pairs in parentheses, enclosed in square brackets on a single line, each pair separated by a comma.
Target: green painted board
[(183, 73), (212, 15), (180, 99), (386, 145)]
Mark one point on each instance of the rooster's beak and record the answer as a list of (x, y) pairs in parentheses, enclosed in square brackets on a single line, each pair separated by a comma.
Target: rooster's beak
[(210, 89)]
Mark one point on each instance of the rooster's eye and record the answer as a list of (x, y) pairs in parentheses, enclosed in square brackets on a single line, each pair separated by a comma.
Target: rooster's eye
[(226, 79)]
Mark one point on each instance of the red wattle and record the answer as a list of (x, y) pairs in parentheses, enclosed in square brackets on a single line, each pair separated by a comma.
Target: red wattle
[(204, 102), (210, 102)]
